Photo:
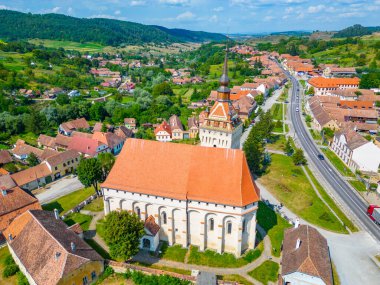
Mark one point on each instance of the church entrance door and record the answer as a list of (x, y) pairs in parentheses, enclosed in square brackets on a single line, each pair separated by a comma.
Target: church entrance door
[(146, 243)]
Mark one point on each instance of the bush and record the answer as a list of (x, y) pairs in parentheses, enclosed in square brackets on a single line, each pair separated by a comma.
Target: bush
[(9, 260), (21, 279), (10, 270)]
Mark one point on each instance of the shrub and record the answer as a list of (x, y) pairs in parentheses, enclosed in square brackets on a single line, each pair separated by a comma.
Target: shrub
[(9, 260), (10, 270), (21, 279)]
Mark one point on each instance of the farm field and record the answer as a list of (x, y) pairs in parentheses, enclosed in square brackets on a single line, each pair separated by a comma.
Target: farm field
[(68, 45)]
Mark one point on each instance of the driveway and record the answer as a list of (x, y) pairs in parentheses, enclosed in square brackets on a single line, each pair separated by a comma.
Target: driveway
[(350, 253), (62, 187)]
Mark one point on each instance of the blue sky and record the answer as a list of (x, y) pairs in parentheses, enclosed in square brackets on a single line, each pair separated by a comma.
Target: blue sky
[(225, 16)]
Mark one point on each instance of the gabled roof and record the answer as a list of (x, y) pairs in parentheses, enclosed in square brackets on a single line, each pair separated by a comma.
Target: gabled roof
[(43, 246), (124, 132), (46, 141), (6, 182), (175, 123), (84, 145), (62, 140), (353, 139), (62, 157), (312, 257), (321, 82), (22, 148), (5, 157), (80, 123), (110, 139), (31, 174), (151, 226), (183, 172), (163, 127)]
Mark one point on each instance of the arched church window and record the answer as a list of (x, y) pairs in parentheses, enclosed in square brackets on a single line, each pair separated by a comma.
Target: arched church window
[(138, 212), (163, 218), (211, 224), (229, 228)]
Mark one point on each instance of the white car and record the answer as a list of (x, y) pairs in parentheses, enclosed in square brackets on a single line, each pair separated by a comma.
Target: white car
[(297, 110)]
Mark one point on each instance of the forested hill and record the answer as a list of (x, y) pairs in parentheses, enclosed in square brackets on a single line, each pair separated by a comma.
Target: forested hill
[(20, 26), (356, 31)]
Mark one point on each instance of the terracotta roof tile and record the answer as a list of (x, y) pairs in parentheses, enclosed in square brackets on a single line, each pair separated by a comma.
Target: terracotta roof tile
[(164, 126), (321, 82), (62, 157), (109, 139), (151, 226), (84, 145), (46, 141), (31, 174), (184, 174), (5, 157)]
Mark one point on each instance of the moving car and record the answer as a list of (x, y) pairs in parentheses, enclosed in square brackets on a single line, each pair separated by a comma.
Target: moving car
[(321, 157)]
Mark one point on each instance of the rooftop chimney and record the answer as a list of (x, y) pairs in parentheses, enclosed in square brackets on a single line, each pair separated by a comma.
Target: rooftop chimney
[(73, 246), (296, 223), (56, 214), (298, 243), (10, 237)]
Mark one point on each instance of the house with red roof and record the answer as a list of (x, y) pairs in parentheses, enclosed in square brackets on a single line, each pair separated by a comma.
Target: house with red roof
[(163, 132), (88, 147)]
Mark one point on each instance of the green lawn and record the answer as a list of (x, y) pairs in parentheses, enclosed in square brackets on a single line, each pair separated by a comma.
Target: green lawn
[(103, 253), (274, 225), (29, 138), (235, 278), (289, 184), (100, 228), (338, 163), (277, 111), (214, 259), (4, 146), (68, 45), (69, 201), (4, 253), (331, 202), (96, 205), (83, 220), (266, 272), (358, 185), (278, 142), (316, 136), (175, 252)]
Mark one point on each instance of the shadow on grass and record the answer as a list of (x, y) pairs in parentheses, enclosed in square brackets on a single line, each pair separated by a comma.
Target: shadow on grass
[(53, 205), (266, 217), (103, 253)]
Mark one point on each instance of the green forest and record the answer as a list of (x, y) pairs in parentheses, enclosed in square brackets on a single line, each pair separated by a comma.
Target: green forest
[(20, 26)]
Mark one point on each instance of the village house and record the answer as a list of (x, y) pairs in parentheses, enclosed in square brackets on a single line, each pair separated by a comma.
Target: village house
[(99, 126), (323, 86), (163, 132), (176, 127), (49, 253), (124, 133), (13, 202), (321, 118), (46, 141), (88, 147), (62, 142), (22, 150), (193, 125), (188, 211), (331, 71), (356, 152), (114, 142), (63, 163), (68, 127), (351, 94), (245, 106), (33, 177), (130, 123), (305, 257)]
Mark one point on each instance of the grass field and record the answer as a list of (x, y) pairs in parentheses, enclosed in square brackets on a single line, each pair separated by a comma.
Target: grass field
[(4, 252), (278, 143), (96, 205), (29, 138), (175, 252), (214, 259), (266, 272), (277, 112), (289, 184), (338, 163), (13, 61), (358, 185), (83, 220), (331, 203), (68, 45), (274, 225), (68, 202)]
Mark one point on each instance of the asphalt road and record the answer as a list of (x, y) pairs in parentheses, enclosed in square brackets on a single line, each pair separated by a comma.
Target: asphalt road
[(345, 192)]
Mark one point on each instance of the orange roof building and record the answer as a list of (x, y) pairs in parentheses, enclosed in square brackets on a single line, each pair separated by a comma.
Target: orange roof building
[(323, 86), (179, 184)]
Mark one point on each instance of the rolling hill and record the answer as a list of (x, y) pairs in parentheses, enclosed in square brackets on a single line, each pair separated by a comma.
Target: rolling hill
[(356, 31), (21, 26)]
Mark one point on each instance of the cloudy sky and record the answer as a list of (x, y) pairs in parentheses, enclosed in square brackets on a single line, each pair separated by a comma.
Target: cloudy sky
[(225, 16)]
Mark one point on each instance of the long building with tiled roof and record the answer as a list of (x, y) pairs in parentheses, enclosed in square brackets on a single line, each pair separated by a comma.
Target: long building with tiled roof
[(198, 195)]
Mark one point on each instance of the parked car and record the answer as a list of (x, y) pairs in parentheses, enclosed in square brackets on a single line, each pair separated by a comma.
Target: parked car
[(321, 157), (297, 110)]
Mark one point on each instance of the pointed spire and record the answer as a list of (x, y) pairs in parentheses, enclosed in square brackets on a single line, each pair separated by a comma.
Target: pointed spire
[(225, 67), (224, 91)]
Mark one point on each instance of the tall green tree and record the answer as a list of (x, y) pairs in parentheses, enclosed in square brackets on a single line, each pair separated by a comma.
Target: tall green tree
[(288, 146), (123, 232), (90, 173), (32, 159), (106, 160), (299, 157)]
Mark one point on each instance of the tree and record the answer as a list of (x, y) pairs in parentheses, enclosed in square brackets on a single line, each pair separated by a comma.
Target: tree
[(162, 89), (62, 99), (259, 99), (32, 159), (104, 128), (254, 151), (288, 146), (90, 173), (106, 160), (299, 157), (122, 233)]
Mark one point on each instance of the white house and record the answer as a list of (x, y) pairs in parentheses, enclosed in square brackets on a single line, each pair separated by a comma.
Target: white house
[(356, 152), (305, 258), (163, 132), (197, 195)]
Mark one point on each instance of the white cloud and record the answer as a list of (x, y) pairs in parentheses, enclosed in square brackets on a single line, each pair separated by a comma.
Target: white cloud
[(55, 9), (315, 9), (175, 2), (186, 16), (117, 12), (214, 19), (70, 10), (137, 3), (268, 18), (218, 9)]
